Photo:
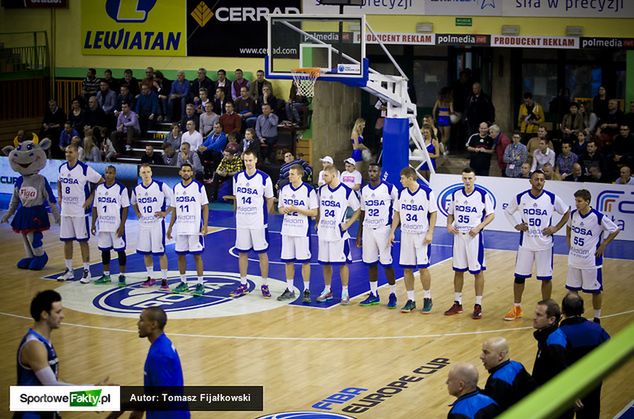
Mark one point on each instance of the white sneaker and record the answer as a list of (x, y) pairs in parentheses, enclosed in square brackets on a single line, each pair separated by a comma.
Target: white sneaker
[(128, 147), (85, 279), (345, 299), (68, 275)]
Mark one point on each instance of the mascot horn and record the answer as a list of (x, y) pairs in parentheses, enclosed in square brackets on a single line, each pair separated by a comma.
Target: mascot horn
[(31, 199)]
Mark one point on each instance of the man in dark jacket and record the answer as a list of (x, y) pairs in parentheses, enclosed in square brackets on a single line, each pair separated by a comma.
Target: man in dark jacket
[(462, 383), (551, 342)]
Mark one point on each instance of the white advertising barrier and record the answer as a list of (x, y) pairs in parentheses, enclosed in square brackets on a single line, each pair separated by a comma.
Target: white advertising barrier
[(616, 201), (64, 398)]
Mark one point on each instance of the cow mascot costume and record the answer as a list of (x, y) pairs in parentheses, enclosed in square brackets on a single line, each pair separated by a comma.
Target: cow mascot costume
[(31, 199)]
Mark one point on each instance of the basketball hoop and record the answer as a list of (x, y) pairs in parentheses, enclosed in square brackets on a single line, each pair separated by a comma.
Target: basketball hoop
[(304, 79)]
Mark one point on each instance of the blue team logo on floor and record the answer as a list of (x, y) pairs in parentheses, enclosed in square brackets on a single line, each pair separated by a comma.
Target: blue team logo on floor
[(304, 415), (444, 197)]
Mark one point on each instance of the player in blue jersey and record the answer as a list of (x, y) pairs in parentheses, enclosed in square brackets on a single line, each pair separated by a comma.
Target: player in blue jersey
[(470, 210), (110, 212), (190, 213), (377, 206), (586, 237)]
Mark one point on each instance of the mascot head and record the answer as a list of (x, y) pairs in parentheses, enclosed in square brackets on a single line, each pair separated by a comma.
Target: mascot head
[(28, 157)]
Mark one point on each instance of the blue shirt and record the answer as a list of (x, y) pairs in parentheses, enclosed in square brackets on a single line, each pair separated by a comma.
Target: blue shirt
[(216, 142), (474, 405), (26, 376)]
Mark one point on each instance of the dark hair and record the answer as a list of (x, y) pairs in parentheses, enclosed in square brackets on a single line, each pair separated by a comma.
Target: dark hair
[(158, 315), (298, 168), (517, 132), (92, 70), (43, 301), (552, 309), (188, 165), (111, 167), (537, 172), (107, 71), (375, 165), (125, 103), (221, 71), (572, 305), (467, 170), (584, 194), (573, 104), (408, 172), (250, 152), (528, 95)]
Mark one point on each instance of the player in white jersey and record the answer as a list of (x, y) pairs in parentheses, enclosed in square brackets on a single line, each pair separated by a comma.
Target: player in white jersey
[(253, 190), (298, 203), (377, 206), (536, 208), (470, 210), (585, 233), (190, 213), (75, 199), (416, 212), (332, 231), (150, 200), (110, 212)]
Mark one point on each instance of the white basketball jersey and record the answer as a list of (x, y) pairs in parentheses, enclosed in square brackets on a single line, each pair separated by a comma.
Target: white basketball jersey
[(378, 204), (304, 197), (109, 201), (251, 193), (469, 210), (537, 213), (75, 182), (414, 209), (189, 201), (150, 200), (586, 236), (333, 204)]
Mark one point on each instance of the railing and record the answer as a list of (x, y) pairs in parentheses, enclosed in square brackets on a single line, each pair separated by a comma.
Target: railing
[(23, 52), (66, 91)]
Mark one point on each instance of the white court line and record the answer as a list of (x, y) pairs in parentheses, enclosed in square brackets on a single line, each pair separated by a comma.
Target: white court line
[(314, 339)]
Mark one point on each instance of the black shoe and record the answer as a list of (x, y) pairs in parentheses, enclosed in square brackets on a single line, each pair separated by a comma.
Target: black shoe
[(287, 295), (597, 320)]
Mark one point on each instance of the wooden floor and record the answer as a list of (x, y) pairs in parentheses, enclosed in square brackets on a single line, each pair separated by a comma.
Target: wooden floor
[(303, 355)]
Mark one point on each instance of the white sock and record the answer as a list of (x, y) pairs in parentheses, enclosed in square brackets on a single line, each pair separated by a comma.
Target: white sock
[(289, 284), (183, 278), (344, 290), (426, 293), (597, 313), (393, 289), (517, 304), (457, 297), (478, 299), (106, 273), (374, 287), (243, 281), (164, 273), (86, 266), (200, 280), (410, 295), (306, 286), (327, 288), (149, 270), (69, 264), (265, 281)]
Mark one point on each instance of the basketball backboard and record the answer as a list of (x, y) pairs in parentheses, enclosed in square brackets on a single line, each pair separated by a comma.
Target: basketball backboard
[(334, 44)]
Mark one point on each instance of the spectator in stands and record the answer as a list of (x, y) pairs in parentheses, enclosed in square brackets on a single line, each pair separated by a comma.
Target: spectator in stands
[(609, 125), (576, 175), (508, 381), (351, 177), (90, 85), (530, 117), (91, 148), (147, 108), (219, 101), (95, 116), (245, 106), (628, 118), (442, 110), (600, 103), (430, 142), (296, 106), (551, 358), (583, 336), (589, 118), (178, 96), (289, 161), (173, 137), (201, 82), (267, 98), (326, 162), (215, 143), (191, 136), (107, 99), (187, 155), (127, 127), (81, 154), (591, 157), (478, 109), (250, 142), (533, 143), (151, 156), (515, 155), (579, 146), (52, 125), (596, 175), (208, 119), (107, 77), (462, 383), (572, 123), (190, 115), (559, 106), (224, 83), (549, 172), (123, 96), (170, 158), (542, 155), (501, 141), (565, 160), (480, 145), (623, 146), (66, 135), (257, 85), (238, 84), (162, 87), (77, 115), (202, 101), (525, 170), (131, 81), (626, 176), (266, 129), (230, 164), (149, 77), (108, 152), (231, 121)]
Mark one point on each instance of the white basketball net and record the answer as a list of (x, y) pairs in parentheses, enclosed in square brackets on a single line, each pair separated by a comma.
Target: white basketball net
[(304, 79)]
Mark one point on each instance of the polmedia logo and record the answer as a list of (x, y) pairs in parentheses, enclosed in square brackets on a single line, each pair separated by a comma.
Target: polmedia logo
[(304, 415), (444, 197)]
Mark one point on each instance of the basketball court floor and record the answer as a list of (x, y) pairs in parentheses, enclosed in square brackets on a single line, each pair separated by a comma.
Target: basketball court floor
[(303, 355)]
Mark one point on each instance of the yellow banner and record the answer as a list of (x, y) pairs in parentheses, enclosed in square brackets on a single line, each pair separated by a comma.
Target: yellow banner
[(134, 27)]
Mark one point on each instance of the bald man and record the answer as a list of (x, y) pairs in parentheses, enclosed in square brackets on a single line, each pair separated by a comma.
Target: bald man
[(508, 381), (462, 383)]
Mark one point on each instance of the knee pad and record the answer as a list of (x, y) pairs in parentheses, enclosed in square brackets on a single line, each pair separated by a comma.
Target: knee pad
[(122, 258), (105, 256), (519, 280)]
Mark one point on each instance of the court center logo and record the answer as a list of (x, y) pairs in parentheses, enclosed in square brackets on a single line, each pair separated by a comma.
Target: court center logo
[(131, 300), (305, 415), (444, 197)]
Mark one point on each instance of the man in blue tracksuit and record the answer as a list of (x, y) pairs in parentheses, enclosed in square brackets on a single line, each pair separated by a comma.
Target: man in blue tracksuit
[(462, 383), (551, 342)]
